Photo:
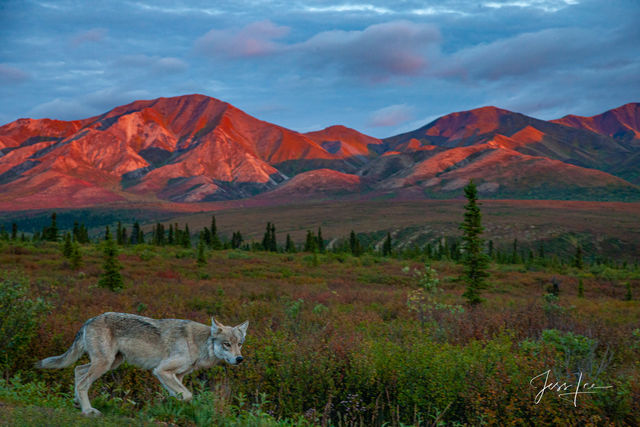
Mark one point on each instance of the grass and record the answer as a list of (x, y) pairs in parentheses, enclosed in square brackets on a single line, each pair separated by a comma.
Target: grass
[(332, 340)]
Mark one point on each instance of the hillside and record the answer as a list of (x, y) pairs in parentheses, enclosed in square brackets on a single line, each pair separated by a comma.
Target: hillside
[(194, 148)]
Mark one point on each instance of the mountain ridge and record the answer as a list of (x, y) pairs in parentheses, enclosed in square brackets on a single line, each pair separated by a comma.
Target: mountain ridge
[(194, 148)]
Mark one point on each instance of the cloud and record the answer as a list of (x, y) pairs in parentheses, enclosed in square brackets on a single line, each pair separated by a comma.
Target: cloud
[(342, 8), (392, 115), (377, 53), (157, 64), (94, 35), (256, 39), (87, 105), (380, 51), (521, 55), (11, 75), (544, 5)]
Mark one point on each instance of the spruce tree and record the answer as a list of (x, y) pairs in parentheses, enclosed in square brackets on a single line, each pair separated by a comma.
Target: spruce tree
[(474, 260), (215, 239), (236, 240), (170, 239), (119, 234), (320, 240), (201, 258), (186, 237), (580, 288), (111, 277), (75, 258), (386, 246), (107, 233), (135, 234), (52, 230), (577, 259), (628, 296), (67, 247), (14, 231), (290, 247), (310, 242), (354, 244)]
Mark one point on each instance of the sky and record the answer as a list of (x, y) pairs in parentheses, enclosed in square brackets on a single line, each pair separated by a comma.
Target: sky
[(381, 67)]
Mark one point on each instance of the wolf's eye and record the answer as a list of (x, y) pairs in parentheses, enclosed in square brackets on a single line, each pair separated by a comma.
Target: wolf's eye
[(227, 344)]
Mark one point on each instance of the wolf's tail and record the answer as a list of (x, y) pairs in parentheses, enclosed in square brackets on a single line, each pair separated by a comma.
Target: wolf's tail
[(68, 358)]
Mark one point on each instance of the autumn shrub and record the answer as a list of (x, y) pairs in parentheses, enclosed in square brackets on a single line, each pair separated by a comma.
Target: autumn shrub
[(20, 316)]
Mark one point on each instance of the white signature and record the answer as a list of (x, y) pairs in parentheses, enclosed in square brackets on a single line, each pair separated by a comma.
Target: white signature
[(565, 389)]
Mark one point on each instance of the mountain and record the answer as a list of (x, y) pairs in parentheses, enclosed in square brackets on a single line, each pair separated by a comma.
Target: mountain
[(194, 148), (184, 149), (622, 123), (512, 155)]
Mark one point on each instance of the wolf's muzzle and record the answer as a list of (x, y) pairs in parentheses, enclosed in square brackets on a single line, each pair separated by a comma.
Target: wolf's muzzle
[(239, 359)]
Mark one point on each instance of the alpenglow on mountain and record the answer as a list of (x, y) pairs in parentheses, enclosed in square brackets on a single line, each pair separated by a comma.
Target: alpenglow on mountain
[(194, 148)]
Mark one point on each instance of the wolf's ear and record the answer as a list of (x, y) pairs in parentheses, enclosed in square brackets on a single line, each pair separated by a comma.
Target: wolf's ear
[(243, 327), (215, 326)]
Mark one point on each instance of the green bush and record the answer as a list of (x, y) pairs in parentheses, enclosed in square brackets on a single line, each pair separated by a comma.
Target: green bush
[(20, 316)]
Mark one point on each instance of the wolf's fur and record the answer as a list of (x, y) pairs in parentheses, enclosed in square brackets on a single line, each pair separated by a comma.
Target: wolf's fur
[(172, 348)]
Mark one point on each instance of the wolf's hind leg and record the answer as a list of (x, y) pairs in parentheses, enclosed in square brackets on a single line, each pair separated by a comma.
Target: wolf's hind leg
[(96, 369), (80, 371)]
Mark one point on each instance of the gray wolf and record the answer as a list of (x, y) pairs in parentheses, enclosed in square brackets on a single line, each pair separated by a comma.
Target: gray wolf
[(172, 348)]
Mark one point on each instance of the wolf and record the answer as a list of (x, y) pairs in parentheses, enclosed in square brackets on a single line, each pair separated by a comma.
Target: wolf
[(171, 348)]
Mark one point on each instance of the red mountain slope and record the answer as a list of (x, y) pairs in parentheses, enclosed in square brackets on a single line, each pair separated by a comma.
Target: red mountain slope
[(620, 123), (187, 148), (194, 148)]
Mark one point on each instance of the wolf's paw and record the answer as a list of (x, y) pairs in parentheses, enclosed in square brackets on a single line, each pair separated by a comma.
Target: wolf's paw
[(92, 412)]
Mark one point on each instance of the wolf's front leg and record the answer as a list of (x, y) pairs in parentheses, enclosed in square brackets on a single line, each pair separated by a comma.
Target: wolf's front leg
[(175, 388)]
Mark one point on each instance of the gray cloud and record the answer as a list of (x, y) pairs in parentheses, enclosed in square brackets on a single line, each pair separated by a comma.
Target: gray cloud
[(12, 75), (90, 36), (378, 52), (256, 39), (392, 115), (152, 63)]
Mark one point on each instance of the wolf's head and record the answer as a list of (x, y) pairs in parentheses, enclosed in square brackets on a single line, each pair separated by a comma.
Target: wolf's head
[(228, 340)]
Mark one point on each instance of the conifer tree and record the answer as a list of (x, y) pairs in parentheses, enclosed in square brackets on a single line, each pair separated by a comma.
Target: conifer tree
[(3, 233), (201, 258), (67, 248), (119, 234), (215, 239), (170, 239), (515, 258), (236, 240), (107, 233), (14, 231), (320, 240), (580, 288), (290, 247), (386, 246), (490, 249), (310, 242), (135, 234), (52, 230), (354, 244), (628, 296), (75, 258), (111, 277), (474, 260), (577, 259), (186, 237)]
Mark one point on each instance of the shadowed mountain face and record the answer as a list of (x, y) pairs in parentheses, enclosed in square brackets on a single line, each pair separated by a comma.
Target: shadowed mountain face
[(195, 148)]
